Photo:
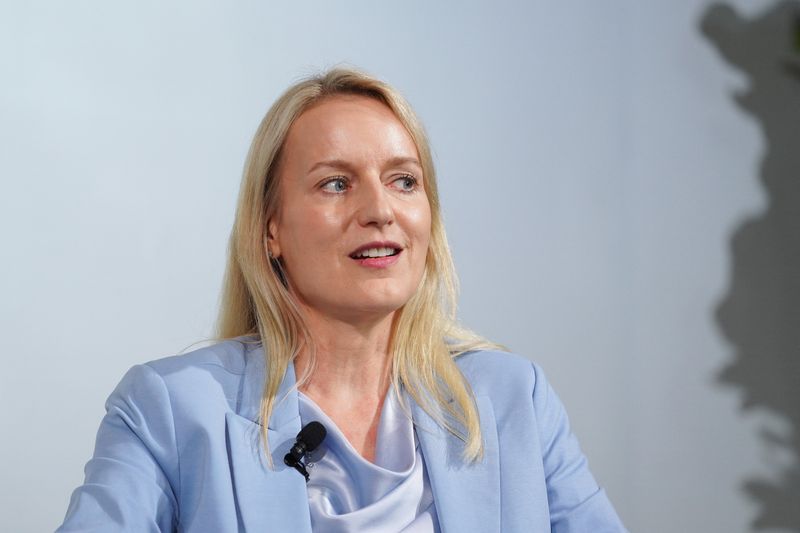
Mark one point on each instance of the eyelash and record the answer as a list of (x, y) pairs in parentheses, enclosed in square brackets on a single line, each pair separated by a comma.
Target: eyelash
[(414, 183), (327, 182)]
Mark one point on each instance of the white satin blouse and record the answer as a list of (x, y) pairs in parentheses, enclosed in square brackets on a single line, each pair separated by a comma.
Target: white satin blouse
[(347, 493)]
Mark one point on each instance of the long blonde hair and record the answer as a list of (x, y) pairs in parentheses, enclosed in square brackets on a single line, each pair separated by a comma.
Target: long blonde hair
[(255, 301)]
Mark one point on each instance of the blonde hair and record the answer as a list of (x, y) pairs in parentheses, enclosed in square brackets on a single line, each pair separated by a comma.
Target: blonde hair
[(255, 301)]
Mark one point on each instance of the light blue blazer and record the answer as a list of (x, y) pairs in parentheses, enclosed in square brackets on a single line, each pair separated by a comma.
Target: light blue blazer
[(179, 450)]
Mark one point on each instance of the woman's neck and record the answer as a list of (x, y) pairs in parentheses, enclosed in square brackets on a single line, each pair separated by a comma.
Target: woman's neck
[(351, 376), (352, 361)]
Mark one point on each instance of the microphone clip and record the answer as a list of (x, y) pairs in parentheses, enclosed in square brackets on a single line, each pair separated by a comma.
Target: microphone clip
[(295, 459), (309, 438)]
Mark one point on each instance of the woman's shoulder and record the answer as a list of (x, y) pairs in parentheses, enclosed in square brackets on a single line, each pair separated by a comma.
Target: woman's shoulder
[(211, 376), (495, 363), (493, 371), (229, 356)]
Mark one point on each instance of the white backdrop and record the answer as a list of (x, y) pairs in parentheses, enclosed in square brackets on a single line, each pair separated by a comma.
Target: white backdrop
[(592, 168)]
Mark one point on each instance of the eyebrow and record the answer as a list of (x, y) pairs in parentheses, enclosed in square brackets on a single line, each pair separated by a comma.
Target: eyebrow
[(345, 165)]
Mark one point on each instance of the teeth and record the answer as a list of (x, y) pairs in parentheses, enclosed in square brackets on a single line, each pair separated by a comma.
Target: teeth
[(376, 252)]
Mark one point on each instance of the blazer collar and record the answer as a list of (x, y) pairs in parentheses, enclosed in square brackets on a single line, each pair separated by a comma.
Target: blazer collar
[(466, 496), (267, 499), (252, 388)]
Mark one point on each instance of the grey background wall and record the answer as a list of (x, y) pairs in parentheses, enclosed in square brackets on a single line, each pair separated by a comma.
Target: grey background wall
[(594, 166)]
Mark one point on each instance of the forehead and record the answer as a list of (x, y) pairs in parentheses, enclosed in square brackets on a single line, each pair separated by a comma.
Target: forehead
[(347, 126)]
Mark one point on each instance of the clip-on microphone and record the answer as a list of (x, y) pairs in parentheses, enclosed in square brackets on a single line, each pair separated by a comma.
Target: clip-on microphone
[(306, 442)]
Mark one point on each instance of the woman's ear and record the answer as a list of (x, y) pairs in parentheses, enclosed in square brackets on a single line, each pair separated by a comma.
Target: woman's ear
[(273, 247)]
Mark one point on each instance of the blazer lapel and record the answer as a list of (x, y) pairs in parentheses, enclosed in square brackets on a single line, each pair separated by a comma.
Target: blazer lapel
[(273, 499), (466, 495)]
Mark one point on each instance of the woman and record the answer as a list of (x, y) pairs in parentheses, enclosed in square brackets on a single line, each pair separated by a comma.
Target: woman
[(338, 307)]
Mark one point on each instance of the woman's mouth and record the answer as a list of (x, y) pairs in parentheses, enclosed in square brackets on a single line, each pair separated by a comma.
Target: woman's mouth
[(376, 256), (375, 252)]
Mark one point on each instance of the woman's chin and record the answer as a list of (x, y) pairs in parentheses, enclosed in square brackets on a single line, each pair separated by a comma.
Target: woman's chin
[(361, 302)]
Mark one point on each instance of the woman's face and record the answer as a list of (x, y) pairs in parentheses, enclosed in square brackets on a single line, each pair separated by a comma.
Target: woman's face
[(354, 222)]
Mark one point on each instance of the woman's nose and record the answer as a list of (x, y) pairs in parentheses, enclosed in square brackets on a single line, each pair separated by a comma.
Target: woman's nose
[(375, 204)]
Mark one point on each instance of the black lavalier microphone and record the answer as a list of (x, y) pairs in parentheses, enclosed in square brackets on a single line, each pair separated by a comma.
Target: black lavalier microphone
[(306, 442)]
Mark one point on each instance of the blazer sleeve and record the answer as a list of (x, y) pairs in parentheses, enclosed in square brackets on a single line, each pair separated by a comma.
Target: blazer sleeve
[(131, 479), (577, 504)]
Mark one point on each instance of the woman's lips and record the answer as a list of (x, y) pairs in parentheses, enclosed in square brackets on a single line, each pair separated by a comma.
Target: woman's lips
[(378, 262), (379, 246)]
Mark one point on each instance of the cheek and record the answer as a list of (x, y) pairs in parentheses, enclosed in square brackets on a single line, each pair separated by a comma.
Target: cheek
[(312, 233), (420, 221), (418, 226)]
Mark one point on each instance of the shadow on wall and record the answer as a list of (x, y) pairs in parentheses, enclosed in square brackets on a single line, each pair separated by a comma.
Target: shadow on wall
[(760, 314)]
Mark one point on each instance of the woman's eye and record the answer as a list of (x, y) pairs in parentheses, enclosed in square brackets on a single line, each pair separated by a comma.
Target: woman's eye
[(407, 183), (335, 185)]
